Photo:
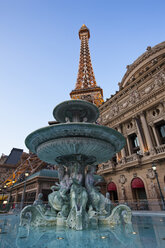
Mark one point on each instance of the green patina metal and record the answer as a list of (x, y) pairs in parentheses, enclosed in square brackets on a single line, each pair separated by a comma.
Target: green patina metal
[(77, 145)]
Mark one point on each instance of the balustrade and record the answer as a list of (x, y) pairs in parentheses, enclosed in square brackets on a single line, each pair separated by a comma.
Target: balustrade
[(160, 149)]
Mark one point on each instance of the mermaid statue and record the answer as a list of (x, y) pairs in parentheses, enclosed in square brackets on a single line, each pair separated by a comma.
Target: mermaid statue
[(78, 218), (96, 199)]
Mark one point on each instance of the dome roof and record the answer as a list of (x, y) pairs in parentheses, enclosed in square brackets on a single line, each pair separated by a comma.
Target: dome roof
[(148, 56)]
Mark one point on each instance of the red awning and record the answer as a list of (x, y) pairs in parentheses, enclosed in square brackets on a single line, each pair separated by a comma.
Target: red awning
[(112, 187), (137, 183)]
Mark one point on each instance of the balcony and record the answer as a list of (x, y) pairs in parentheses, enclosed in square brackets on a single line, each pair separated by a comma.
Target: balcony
[(106, 166), (129, 161), (132, 160), (160, 149)]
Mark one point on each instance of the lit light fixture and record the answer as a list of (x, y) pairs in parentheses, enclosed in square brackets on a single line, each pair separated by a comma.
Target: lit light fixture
[(13, 181), (5, 202), (153, 166), (5, 186), (60, 238), (133, 232), (157, 179), (103, 237), (26, 174)]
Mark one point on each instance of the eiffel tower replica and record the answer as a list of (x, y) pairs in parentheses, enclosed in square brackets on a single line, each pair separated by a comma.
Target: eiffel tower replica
[(86, 86)]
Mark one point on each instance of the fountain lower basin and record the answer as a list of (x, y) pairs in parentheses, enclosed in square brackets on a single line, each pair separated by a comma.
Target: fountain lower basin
[(86, 139)]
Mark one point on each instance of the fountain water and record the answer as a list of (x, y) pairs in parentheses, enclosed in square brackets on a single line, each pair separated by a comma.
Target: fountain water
[(77, 145)]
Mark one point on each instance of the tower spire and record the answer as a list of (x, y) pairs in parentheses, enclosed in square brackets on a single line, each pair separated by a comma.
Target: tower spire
[(86, 86)]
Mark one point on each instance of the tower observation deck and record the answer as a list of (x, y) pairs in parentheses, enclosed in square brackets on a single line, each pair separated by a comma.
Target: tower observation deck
[(86, 86)]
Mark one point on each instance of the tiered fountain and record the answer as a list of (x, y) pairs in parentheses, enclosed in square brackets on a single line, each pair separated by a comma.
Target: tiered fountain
[(76, 145)]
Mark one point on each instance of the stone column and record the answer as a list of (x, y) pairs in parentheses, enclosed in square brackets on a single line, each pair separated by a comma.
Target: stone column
[(16, 196), (128, 145), (146, 132), (23, 195), (155, 134), (141, 144), (123, 153), (117, 156)]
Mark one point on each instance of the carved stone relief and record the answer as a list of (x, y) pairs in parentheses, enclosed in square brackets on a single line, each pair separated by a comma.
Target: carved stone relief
[(113, 112), (155, 112), (115, 109), (148, 89), (109, 180), (134, 175), (153, 191), (150, 174), (158, 81), (123, 194), (129, 127), (134, 97), (124, 105), (122, 179)]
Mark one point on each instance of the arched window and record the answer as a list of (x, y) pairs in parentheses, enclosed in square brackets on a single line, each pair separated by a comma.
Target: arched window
[(112, 189), (139, 194), (137, 183)]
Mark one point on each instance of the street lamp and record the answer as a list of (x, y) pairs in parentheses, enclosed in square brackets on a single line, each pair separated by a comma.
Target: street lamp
[(156, 175), (23, 194), (26, 174)]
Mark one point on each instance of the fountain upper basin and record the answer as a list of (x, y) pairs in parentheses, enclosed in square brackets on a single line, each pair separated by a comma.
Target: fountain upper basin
[(96, 142)]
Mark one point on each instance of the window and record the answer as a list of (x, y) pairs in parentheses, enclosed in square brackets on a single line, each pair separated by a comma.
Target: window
[(161, 131), (114, 161), (134, 143)]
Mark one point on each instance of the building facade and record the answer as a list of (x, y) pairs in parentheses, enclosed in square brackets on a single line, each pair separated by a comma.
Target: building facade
[(26, 192), (137, 110)]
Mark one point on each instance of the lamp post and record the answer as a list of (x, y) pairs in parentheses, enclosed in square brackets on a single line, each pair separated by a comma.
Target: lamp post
[(23, 194), (3, 191), (161, 195)]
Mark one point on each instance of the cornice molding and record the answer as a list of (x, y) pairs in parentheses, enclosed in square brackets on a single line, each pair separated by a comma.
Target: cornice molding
[(137, 107), (142, 58), (137, 83)]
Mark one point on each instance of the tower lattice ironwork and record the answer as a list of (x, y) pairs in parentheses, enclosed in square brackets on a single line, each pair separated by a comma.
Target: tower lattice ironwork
[(86, 86)]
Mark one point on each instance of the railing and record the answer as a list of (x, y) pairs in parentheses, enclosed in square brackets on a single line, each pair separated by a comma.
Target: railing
[(14, 207), (140, 205), (105, 166), (160, 149), (112, 165)]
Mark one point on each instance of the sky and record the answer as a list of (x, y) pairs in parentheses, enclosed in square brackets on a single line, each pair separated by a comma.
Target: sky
[(40, 47)]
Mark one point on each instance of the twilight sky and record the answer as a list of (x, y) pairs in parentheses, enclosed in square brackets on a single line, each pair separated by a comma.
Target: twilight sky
[(39, 54)]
